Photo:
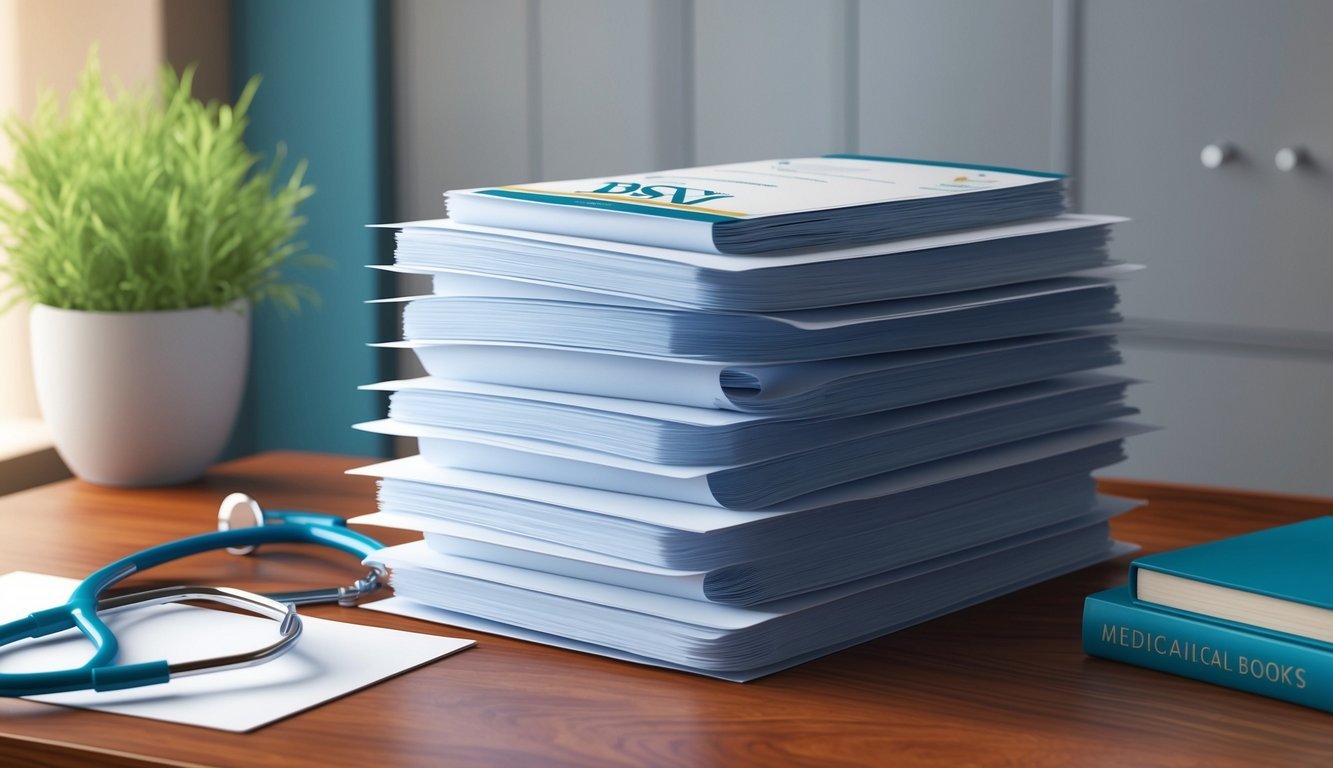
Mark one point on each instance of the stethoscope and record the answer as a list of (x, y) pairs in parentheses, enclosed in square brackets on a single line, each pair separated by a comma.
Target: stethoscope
[(86, 607)]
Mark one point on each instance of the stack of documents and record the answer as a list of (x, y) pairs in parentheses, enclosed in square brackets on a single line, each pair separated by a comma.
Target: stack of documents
[(642, 436)]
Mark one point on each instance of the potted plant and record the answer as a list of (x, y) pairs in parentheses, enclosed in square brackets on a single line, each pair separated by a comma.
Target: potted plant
[(142, 231)]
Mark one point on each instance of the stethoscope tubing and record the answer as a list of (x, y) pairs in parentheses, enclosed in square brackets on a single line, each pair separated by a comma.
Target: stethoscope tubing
[(81, 610)]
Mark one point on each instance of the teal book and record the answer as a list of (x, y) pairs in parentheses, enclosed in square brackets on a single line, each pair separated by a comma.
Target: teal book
[(1278, 580), (1117, 627)]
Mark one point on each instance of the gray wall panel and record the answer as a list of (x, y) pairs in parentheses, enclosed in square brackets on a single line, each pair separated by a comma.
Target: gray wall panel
[(959, 80), (1242, 421), (769, 78), (611, 87), (454, 127), (1240, 362), (461, 103), (1242, 244)]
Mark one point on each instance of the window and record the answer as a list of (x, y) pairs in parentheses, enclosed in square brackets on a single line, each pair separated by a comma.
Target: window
[(25, 444), (43, 45)]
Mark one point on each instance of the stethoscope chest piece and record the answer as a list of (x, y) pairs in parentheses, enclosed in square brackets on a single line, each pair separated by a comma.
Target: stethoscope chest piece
[(240, 511)]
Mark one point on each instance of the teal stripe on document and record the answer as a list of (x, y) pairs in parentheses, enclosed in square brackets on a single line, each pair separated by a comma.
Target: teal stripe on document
[(995, 168), (608, 205), (325, 97)]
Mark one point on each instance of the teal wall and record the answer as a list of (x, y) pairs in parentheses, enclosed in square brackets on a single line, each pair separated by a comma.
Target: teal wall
[(325, 96)]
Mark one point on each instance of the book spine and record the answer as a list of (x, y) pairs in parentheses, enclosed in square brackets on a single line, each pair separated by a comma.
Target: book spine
[(1214, 653)]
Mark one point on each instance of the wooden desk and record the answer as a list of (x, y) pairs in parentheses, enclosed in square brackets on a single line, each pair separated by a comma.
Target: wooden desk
[(1001, 683)]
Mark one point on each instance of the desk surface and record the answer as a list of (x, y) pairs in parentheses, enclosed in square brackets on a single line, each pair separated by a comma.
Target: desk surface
[(1001, 683)]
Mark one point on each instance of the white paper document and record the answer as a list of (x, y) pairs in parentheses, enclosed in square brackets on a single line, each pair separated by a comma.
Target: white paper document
[(330, 660), (783, 281), (637, 429), (1037, 307), (795, 390), (770, 205), (704, 519), (725, 262)]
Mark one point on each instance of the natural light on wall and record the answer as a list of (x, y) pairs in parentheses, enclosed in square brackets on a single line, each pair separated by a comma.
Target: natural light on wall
[(43, 45)]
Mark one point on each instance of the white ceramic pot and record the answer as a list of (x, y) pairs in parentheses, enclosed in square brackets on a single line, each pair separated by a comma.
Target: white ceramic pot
[(140, 398)]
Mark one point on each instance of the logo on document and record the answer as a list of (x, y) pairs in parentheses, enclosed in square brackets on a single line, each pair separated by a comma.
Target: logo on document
[(666, 193)]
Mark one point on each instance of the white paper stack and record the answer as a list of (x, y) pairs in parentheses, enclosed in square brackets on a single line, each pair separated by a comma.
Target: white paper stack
[(655, 448)]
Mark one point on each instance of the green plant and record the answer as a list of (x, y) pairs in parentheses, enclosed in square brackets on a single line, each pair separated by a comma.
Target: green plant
[(145, 201)]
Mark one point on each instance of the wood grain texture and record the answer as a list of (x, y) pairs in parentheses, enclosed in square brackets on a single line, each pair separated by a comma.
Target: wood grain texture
[(1004, 683)]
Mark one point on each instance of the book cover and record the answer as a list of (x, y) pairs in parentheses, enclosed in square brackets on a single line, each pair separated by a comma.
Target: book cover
[(1276, 580), (1290, 562), (1118, 628)]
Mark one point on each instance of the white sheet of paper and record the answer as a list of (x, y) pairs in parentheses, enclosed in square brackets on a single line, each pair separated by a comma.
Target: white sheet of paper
[(401, 606), (458, 286), (680, 414), (469, 285), (444, 278), (477, 543), (683, 414), (534, 451), (742, 263), (668, 380), (703, 518), (682, 381), (331, 659)]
